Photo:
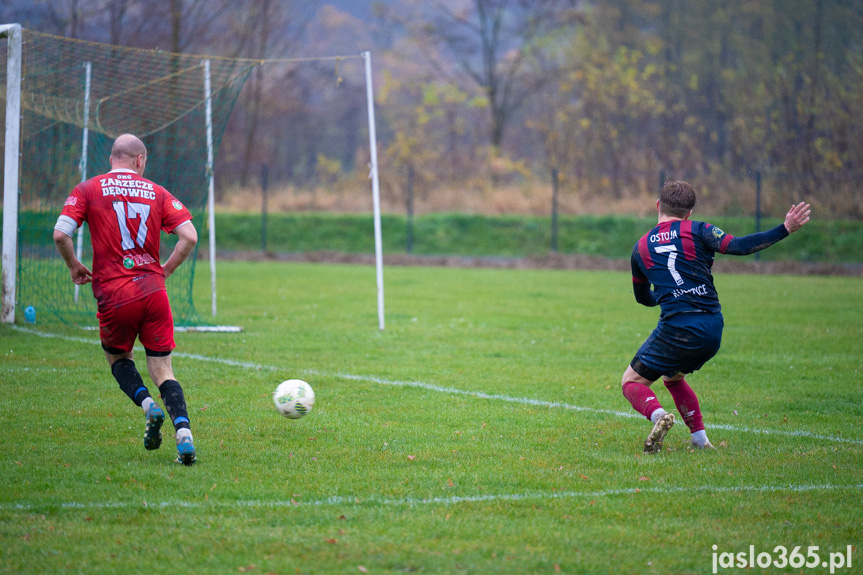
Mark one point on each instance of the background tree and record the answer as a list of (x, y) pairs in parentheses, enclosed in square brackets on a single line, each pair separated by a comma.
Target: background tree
[(611, 92), (487, 45)]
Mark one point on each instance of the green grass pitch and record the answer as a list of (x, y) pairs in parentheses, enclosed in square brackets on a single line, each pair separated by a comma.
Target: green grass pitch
[(483, 431)]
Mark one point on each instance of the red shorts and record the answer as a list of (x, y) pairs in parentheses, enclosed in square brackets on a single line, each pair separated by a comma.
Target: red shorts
[(149, 319)]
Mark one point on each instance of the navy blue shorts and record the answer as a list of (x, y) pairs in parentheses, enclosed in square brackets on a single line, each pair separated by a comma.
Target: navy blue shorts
[(681, 344)]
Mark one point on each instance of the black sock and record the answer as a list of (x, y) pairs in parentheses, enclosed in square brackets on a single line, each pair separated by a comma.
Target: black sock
[(130, 381), (175, 403)]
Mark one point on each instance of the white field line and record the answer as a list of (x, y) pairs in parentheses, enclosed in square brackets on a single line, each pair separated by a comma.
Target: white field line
[(571, 407), (456, 391), (353, 501)]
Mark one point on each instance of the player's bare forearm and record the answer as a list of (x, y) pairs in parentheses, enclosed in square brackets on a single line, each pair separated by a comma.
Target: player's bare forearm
[(80, 273), (178, 256), (65, 247), (188, 238)]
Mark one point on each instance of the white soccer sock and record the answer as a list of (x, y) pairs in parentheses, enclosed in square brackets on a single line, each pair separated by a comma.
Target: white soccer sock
[(657, 413), (145, 405), (700, 438)]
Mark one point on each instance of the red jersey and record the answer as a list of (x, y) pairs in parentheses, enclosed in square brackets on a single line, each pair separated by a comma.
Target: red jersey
[(126, 213)]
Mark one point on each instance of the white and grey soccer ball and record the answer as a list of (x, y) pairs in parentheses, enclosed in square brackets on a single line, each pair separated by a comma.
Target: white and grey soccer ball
[(294, 398)]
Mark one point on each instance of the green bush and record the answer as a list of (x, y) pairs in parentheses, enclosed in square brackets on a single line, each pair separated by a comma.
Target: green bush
[(822, 241), (443, 234)]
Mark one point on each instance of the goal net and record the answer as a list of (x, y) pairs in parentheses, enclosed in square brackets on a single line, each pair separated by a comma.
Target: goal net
[(76, 98)]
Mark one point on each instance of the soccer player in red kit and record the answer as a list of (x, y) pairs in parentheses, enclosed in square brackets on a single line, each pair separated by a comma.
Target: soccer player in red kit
[(126, 214), (676, 257)]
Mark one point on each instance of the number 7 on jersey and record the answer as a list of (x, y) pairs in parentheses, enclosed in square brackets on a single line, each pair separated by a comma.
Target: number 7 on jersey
[(671, 250)]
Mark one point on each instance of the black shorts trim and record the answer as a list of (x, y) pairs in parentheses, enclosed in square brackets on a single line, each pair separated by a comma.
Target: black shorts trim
[(644, 371), (113, 350), (154, 353)]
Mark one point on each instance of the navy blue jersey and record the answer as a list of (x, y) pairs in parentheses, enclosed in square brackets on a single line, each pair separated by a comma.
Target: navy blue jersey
[(676, 257)]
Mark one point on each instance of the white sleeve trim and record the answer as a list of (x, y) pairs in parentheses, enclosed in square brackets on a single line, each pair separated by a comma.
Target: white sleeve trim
[(66, 225), (180, 225)]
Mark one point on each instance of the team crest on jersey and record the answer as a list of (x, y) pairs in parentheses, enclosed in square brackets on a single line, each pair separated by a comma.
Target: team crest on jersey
[(177, 205), (717, 232), (128, 263), (71, 201)]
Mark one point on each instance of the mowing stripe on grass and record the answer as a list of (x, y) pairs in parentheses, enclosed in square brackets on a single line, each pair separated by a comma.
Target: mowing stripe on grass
[(456, 391), (452, 500)]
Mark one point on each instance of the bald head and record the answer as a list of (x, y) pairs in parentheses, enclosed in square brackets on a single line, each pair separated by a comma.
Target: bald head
[(128, 152)]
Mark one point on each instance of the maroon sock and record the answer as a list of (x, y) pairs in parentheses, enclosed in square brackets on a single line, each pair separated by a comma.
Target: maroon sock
[(642, 399), (687, 404)]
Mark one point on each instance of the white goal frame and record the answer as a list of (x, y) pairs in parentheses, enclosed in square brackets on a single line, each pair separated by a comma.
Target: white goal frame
[(11, 183)]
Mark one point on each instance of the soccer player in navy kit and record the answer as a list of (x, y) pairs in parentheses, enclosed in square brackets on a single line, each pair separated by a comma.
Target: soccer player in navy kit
[(676, 257)]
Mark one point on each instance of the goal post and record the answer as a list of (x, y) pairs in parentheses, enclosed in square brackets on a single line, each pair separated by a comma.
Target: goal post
[(376, 195), (79, 249), (11, 148)]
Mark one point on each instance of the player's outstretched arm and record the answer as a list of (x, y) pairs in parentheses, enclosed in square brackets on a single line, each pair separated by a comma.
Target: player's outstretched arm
[(796, 217)]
